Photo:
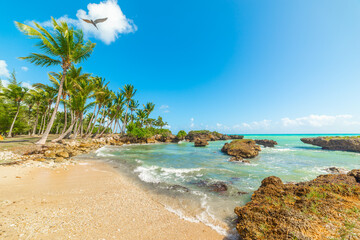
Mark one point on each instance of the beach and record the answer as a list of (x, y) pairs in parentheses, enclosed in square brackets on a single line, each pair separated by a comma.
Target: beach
[(85, 200)]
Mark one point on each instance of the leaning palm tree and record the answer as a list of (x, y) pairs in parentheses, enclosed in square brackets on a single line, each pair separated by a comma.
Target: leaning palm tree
[(129, 92), (63, 46), (17, 94)]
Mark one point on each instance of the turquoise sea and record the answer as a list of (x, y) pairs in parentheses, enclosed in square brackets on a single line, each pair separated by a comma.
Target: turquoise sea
[(182, 175)]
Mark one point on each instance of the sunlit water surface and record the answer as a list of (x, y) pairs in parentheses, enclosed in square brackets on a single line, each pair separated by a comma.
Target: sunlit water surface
[(179, 173)]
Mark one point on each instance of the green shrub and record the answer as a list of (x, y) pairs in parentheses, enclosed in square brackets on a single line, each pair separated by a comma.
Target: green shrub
[(181, 134), (134, 130)]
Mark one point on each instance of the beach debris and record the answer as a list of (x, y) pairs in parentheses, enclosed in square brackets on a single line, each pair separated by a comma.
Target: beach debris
[(99, 20)]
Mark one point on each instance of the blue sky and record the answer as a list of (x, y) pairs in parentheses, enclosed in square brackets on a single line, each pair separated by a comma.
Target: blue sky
[(235, 66)]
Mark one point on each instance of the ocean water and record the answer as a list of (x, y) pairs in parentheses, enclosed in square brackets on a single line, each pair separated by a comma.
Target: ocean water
[(182, 174)]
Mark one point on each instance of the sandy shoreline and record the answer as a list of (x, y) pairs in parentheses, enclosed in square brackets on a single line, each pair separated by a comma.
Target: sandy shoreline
[(89, 200)]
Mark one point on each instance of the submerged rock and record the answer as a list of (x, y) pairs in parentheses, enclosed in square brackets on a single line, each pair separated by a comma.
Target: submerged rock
[(327, 207), (266, 142), (351, 144), (212, 186), (242, 148), (200, 143), (335, 170), (179, 188)]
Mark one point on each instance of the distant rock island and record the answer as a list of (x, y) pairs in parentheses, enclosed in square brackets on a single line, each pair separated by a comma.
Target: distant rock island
[(351, 144), (210, 136)]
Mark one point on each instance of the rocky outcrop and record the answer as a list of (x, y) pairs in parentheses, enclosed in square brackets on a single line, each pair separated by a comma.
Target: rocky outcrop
[(266, 143), (200, 143), (241, 148), (210, 136), (335, 170), (325, 208), (351, 144)]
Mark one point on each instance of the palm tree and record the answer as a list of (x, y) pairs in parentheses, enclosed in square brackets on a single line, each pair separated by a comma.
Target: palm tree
[(37, 95), (129, 92), (141, 116), (64, 47), (133, 106), (14, 92), (101, 94), (148, 108)]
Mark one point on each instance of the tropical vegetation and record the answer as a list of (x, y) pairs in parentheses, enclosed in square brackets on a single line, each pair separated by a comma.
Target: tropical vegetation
[(73, 103)]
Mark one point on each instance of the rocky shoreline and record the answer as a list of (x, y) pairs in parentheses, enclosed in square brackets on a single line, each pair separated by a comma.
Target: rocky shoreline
[(351, 144), (327, 207)]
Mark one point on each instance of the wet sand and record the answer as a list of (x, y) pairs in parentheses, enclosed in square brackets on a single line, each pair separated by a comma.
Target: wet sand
[(89, 200)]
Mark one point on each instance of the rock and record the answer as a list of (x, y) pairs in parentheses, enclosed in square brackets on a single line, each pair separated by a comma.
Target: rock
[(62, 154), (236, 137), (40, 159), (355, 173), (351, 144), (317, 209), (201, 143), (266, 143), (59, 159), (218, 187), (150, 140), (209, 136), (242, 148), (49, 154), (212, 186), (179, 188), (335, 170), (238, 159)]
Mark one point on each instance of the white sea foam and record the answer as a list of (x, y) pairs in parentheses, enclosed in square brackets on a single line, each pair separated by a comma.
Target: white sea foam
[(147, 174), (181, 215), (156, 174)]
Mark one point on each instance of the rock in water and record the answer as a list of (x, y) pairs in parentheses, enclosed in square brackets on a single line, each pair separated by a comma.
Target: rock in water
[(266, 143), (325, 208), (241, 148), (351, 144), (201, 143)]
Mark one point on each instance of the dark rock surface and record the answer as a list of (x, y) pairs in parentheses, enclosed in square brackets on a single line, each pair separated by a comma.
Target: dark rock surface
[(266, 142), (351, 144)]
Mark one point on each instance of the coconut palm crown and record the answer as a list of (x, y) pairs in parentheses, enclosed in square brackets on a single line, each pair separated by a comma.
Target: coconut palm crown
[(63, 46)]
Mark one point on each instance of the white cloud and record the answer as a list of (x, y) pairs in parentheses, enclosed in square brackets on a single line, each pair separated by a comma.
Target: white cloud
[(192, 124), (165, 108), (315, 120), (5, 83), (107, 31), (25, 69), (256, 124), (27, 85), (4, 72)]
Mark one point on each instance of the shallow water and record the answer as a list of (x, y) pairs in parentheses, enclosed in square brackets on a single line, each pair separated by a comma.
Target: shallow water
[(181, 173)]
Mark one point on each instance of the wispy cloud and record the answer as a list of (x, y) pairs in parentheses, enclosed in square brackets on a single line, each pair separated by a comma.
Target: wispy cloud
[(315, 120), (165, 108), (25, 69), (4, 72), (192, 124), (107, 31)]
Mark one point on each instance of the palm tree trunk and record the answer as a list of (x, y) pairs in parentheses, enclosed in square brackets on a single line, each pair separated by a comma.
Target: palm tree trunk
[(93, 125), (66, 132), (43, 139), (65, 117), (90, 122), (45, 117), (13, 123), (36, 122), (125, 119), (106, 127)]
